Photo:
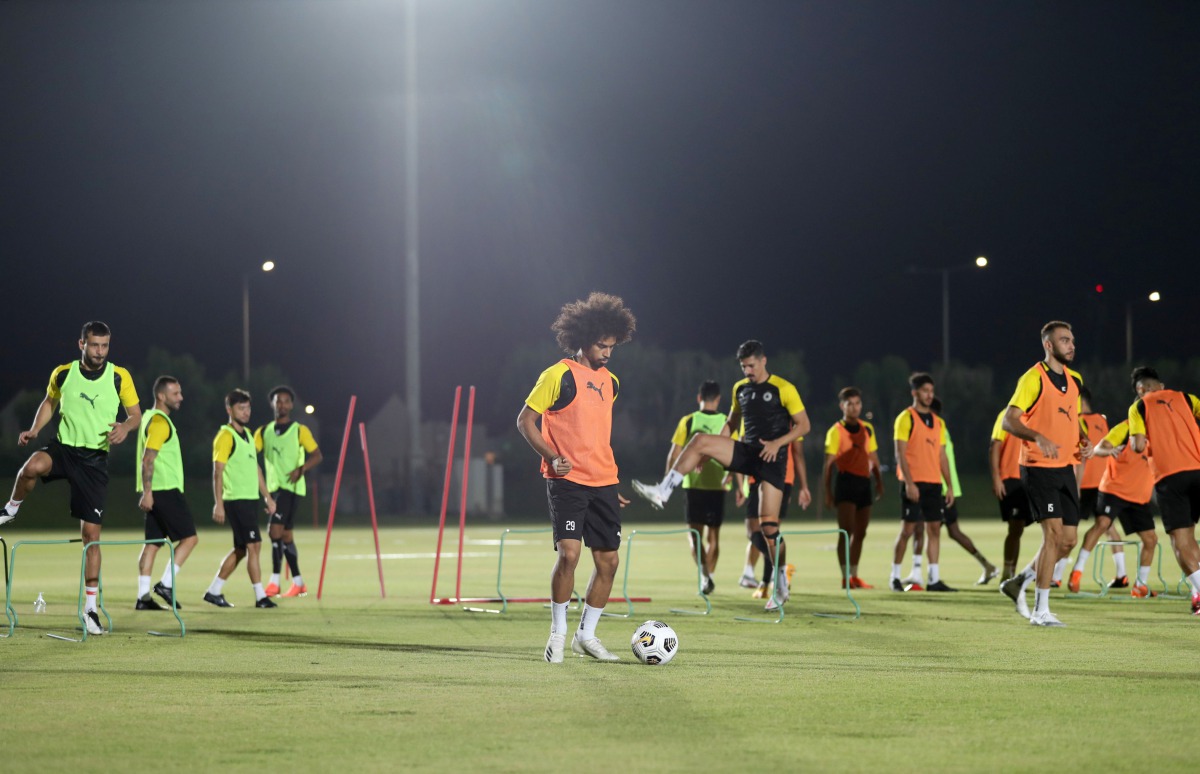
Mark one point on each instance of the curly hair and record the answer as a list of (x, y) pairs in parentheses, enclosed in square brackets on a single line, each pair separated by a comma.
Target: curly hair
[(583, 323)]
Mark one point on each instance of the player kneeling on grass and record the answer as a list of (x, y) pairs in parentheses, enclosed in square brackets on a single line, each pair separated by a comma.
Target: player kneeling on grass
[(769, 410), (237, 484), (573, 399), (161, 485)]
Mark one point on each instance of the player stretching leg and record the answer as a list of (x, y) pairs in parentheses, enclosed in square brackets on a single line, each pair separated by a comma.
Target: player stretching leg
[(773, 416)]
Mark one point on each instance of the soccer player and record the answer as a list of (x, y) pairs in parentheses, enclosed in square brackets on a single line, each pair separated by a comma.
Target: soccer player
[(237, 484), (951, 516), (289, 451), (771, 415), (921, 466), (573, 399), (1003, 455), (1044, 413), (704, 488), (1167, 420), (160, 483), (1125, 491), (1089, 504), (748, 488), (87, 394), (852, 450)]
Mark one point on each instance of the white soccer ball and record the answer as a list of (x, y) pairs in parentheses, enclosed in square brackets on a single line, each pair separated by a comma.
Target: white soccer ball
[(655, 643)]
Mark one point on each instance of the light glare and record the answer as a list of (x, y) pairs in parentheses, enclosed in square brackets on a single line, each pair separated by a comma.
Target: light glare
[(309, 409), (268, 265), (1155, 296), (981, 261)]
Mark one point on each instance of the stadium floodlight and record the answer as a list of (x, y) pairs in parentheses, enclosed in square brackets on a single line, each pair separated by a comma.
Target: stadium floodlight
[(980, 262)]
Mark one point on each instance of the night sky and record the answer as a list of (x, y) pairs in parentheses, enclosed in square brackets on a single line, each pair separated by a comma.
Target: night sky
[(732, 169)]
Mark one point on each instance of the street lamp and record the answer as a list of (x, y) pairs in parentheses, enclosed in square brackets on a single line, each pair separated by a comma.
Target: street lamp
[(980, 262), (1154, 296), (266, 267)]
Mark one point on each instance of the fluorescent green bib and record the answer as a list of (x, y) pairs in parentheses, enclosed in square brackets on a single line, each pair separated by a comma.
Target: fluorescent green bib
[(281, 455), (168, 465), (240, 479), (87, 408), (712, 474)]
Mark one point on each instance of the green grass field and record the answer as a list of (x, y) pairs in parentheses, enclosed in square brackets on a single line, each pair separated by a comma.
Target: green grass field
[(954, 682)]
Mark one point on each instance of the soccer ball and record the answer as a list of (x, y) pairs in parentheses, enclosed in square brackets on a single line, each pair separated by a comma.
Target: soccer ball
[(655, 643)]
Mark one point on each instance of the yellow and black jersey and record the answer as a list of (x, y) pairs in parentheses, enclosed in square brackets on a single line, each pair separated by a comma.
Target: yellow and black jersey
[(766, 408), (1168, 419), (122, 381), (158, 432), (305, 437), (575, 403), (223, 445), (902, 428)]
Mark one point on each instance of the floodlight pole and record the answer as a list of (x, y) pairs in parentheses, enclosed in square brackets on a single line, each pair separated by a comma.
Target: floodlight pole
[(412, 325)]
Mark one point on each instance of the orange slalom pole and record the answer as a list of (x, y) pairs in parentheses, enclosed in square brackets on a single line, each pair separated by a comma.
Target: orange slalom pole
[(337, 483), (462, 513), (362, 434), (437, 557)]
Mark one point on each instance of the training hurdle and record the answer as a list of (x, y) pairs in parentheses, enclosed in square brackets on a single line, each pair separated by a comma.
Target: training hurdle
[(7, 615), (1098, 570), (629, 563), (11, 568), (458, 598), (778, 570)]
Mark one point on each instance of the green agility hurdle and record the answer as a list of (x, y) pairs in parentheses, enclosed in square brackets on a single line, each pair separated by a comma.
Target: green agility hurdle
[(778, 570), (629, 563), (1098, 570), (11, 613)]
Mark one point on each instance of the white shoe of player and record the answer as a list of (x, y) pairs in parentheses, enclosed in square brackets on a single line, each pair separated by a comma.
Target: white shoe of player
[(592, 647), (651, 493), (554, 648), (1045, 618), (92, 620)]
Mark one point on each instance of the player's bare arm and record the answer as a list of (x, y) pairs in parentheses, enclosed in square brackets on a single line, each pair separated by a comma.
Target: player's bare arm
[(527, 425), (1014, 425), (310, 462), (994, 467), (800, 427), (944, 459), (219, 492), (45, 412), (146, 503), (121, 430)]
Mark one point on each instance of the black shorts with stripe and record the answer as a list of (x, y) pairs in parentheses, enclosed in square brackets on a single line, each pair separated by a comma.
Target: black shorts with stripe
[(1053, 493), (86, 471), (1015, 505), (286, 505), (930, 505), (746, 460), (591, 514), (704, 506), (1179, 499), (1134, 517), (851, 488), (170, 517), (242, 518)]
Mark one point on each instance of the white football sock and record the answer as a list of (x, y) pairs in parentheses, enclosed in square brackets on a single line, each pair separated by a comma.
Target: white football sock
[(1194, 579), (90, 593), (13, 506), (558, 617), (274, 579), (143, 585), (895, 572), (588, 621), (748, 571), (258, 592), (215, 587), (166, 576), (1081, 560), (1041, 601), (934, 575), (1059, 566), (1119, 561), (1143, 574)]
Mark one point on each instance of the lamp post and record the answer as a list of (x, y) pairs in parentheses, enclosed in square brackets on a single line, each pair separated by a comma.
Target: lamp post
[(266, 267), (1154, 296), (945, 271)]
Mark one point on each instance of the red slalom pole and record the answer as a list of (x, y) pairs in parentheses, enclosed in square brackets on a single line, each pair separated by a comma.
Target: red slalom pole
[(437, 557), (362, 434), (337, 485), (462, 513)]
